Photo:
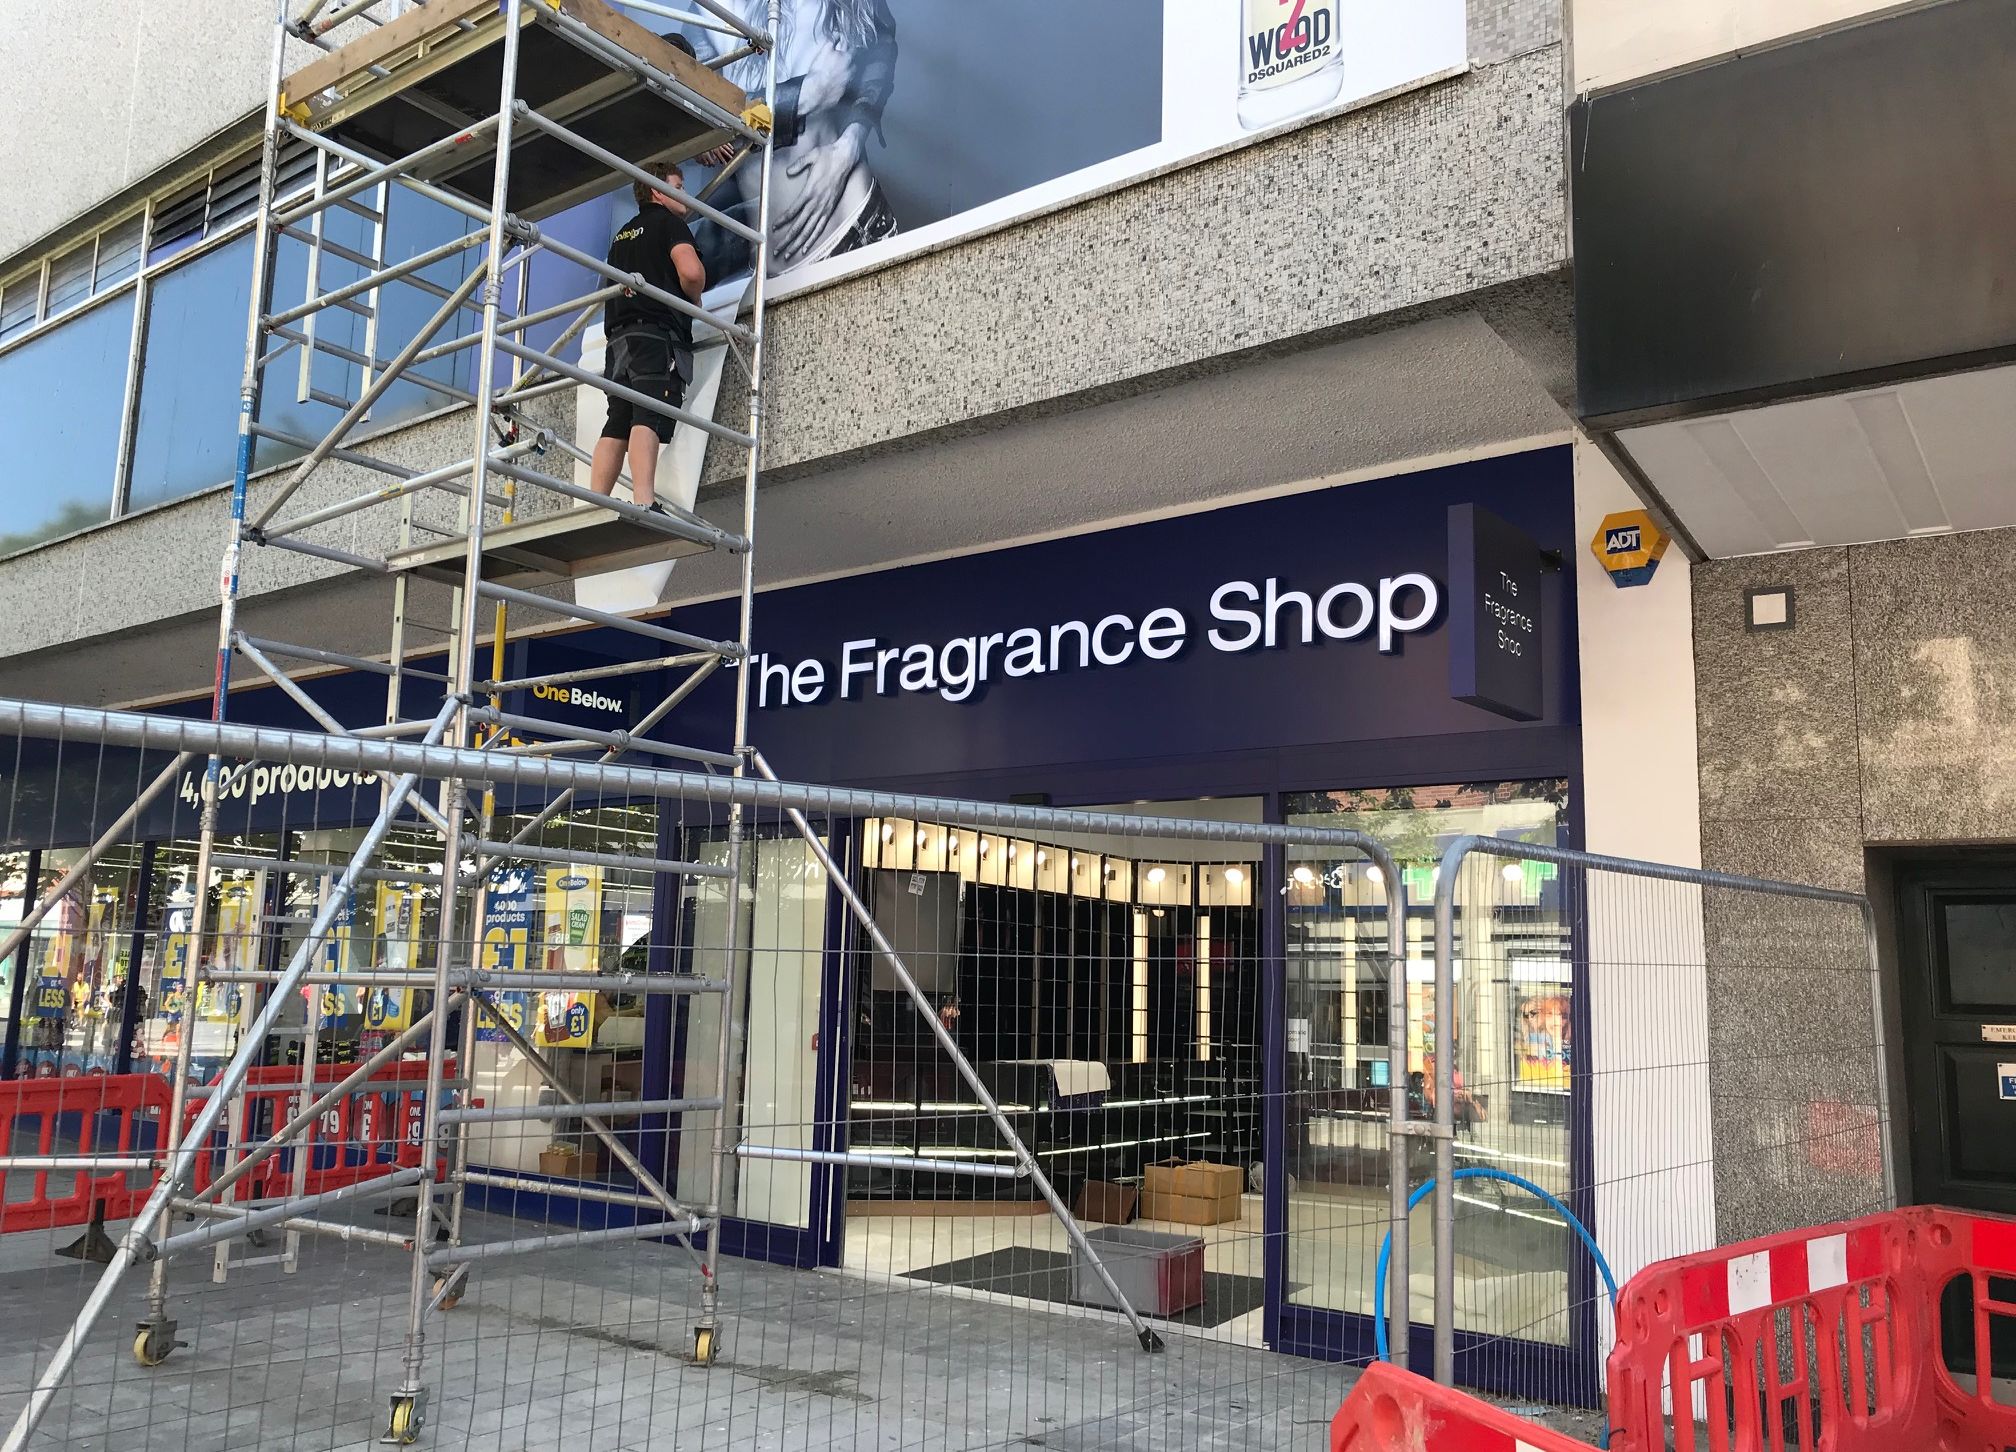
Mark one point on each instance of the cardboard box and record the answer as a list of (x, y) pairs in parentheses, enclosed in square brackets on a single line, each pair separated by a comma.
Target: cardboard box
[(1106, 1202), (1189, 1209), (568, 1162), (1198, 1180)]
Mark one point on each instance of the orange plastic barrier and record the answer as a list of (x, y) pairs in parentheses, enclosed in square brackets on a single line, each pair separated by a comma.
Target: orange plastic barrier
[(371, 1131), (109, 1114), (1821, 1340), (1841, 1318), (1391, 1410)]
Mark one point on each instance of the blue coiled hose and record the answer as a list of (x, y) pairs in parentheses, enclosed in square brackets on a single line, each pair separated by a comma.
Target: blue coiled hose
[(1505, 1177)]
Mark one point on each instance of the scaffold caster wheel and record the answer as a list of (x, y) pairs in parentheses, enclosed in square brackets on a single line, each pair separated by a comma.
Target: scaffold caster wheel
[(404, 1428), (444, 1298), (705, 1345), (154, 1342)]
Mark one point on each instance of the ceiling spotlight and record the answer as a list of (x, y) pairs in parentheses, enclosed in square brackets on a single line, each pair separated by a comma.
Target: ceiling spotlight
[(1158, 912), (1303, 876), (1234, 876), (1156, 874)]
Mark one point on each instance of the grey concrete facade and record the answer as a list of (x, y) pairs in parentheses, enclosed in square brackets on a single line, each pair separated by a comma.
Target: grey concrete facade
[(104, 95), (1883, 717), (939, 403)]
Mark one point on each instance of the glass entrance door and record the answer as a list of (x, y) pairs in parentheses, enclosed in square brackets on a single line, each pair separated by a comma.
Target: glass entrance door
[(779, 971), (1513, 1093)]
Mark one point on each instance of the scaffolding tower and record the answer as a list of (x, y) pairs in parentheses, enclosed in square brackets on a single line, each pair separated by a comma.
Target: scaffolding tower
[(506, 112)]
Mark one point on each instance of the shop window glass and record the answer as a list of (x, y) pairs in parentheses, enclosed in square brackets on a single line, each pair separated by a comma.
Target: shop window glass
[(1513, 1051), (60, 400), (573, 918), (79, 968), (1110, 1000), (186, 437), (380, 925), (416, 223), (238, 912), (15, 898)]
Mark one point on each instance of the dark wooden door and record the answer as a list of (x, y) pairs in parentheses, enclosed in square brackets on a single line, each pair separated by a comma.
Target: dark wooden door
[(1957, 974)]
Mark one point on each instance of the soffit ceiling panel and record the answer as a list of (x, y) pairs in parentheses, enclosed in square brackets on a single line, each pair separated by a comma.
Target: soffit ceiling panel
[(1926, 457)]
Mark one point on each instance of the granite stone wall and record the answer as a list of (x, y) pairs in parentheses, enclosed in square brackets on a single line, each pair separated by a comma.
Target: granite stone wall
[(1885, 715)]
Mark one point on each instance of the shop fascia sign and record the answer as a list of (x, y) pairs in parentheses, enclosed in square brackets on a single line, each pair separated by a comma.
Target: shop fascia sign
[(1238, 616)]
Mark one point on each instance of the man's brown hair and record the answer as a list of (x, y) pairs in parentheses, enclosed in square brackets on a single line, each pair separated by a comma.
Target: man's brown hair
[(664, 171)]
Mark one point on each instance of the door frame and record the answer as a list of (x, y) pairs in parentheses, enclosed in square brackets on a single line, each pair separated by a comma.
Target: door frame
[(1912, 877), (817, 1241)]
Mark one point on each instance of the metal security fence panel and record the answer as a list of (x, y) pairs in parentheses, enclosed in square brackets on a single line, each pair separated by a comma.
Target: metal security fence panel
[(1624, 1063), (945, 1120)]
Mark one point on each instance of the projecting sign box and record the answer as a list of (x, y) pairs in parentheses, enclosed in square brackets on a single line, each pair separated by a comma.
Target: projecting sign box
[(1494, 615)]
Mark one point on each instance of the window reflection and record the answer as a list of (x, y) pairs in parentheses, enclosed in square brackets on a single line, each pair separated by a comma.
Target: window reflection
[(1515, 987), (185, 429), (77, 970), (187, 432), (61, 396)]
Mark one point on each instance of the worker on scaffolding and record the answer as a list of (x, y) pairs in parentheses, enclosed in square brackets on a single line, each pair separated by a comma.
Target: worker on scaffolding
[(649, 346)]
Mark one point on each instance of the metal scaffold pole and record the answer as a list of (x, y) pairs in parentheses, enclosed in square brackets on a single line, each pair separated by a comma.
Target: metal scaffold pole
[(707, 1333), (155, 1337)]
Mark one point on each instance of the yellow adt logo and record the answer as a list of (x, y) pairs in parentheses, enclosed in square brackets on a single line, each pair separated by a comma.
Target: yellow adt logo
[(1629, 546)]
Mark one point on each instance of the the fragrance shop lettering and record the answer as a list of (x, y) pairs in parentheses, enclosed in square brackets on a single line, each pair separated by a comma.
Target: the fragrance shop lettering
[(1244, 615)]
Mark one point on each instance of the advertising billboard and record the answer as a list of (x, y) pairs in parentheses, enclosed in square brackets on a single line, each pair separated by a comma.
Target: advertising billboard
[(906, 124)]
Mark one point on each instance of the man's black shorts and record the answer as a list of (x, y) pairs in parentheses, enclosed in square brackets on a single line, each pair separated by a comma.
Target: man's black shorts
[(645, 359)]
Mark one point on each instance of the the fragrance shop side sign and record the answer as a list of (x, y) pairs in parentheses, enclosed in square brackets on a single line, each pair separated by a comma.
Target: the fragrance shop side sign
[(1495, 615)]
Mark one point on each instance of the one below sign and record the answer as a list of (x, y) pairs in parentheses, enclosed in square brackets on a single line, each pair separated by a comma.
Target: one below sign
[(1494, 615)]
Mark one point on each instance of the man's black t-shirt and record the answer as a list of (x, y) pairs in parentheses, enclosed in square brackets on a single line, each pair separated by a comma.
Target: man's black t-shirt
[(643, 245)]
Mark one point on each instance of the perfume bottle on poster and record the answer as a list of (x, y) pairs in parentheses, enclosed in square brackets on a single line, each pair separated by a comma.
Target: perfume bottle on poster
[(1291, 59)]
